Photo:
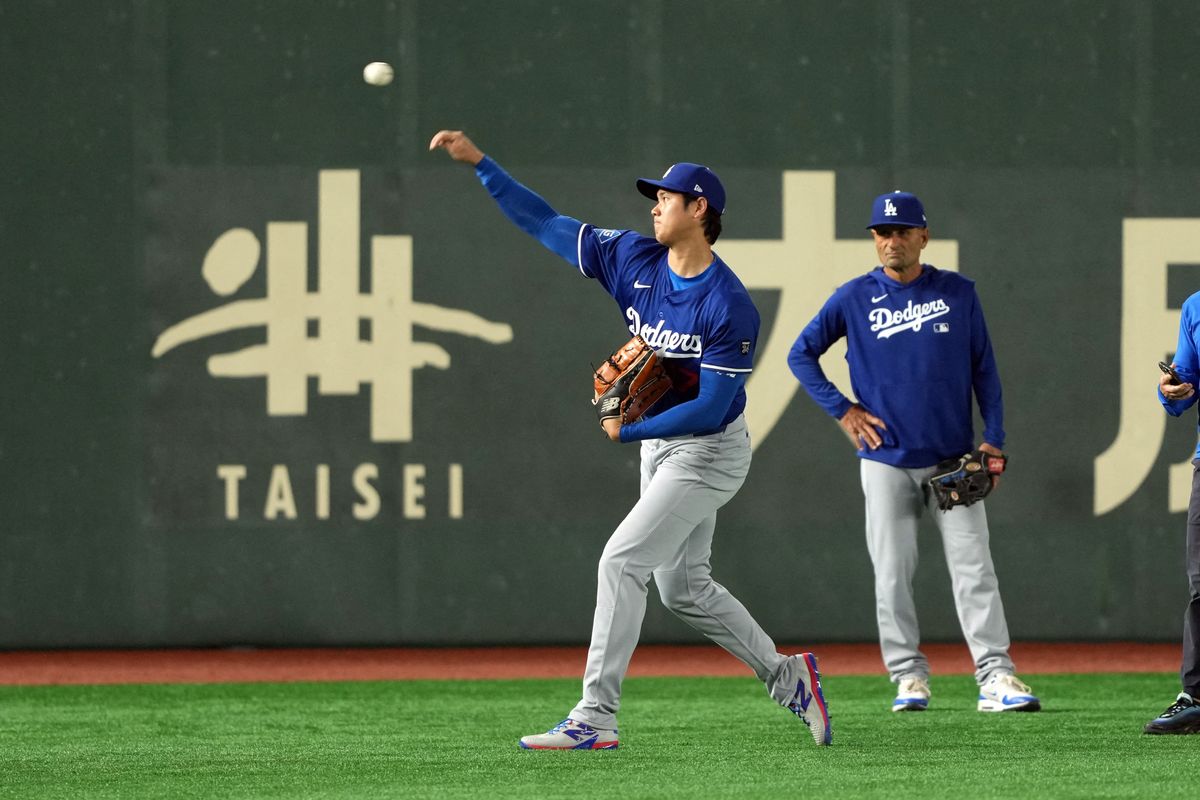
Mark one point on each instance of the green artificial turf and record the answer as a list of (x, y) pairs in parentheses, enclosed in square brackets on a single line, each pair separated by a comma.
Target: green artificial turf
[(680, 737)]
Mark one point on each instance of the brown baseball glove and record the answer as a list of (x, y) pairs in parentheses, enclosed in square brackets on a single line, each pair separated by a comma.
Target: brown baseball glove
[(629, 382)]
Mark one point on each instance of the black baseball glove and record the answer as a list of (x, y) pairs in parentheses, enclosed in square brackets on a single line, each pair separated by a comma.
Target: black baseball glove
[(965, 480)]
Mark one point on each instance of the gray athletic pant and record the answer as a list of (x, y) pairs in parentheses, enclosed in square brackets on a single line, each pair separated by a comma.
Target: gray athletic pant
[(895, 498), (668, 534), (1189, 671)]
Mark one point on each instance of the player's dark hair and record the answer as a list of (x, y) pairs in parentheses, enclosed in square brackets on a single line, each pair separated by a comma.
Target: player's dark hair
[(711, 221)]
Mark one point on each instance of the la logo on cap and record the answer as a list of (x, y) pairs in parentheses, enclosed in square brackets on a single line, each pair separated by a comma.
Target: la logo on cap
[(897, 209)]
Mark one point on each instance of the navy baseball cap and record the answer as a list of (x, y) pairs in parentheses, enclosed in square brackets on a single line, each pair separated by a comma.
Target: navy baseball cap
[(693, 179), (898, 208)]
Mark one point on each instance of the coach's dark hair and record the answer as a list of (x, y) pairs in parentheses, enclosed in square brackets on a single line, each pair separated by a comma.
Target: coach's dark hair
[(711, 221)]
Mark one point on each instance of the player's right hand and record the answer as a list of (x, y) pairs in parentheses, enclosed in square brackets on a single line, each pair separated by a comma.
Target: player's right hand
[(458, 146), (862, 428), (1174, 391)]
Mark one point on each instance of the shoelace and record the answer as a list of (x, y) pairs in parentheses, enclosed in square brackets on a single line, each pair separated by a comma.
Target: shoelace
[(912, 685), (1013, 682), (1181, 703)]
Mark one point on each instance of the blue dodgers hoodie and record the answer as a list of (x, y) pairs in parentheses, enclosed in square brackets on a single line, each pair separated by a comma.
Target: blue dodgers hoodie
[(916, 351)]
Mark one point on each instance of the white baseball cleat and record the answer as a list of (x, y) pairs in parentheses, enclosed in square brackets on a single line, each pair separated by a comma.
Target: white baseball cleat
[(803, 696), (912, 696), (571, 735), (1004, 692)]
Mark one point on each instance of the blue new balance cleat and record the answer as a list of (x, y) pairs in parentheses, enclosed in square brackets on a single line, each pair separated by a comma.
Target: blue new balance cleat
[(1182, 716), (571, 735), (807, 700), (1004, 692)]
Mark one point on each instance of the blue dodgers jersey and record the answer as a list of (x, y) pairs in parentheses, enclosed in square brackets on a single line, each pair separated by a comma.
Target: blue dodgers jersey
[(712, 325)]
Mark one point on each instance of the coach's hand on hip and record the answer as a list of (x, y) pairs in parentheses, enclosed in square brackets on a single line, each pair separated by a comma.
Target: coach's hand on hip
[(860, 425), (458, 146)]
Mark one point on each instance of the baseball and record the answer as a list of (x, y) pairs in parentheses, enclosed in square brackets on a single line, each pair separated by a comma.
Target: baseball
[(378, 73)]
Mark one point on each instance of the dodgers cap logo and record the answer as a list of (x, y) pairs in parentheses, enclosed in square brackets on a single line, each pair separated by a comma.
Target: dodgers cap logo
[(898, 208), (687, 178)]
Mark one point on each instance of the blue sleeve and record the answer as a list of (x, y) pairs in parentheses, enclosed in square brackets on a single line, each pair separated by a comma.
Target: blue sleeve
[(705, 412), (1187, 363), (826, 327), (734, 339), (985, 377), (530, 212)]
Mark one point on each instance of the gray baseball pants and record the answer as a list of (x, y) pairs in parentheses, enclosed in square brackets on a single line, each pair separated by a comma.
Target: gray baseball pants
[(895, 498), (668, 534)]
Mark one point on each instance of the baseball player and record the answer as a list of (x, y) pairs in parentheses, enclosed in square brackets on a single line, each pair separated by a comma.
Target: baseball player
[(1177, 393), (917, 349), (677, 294)]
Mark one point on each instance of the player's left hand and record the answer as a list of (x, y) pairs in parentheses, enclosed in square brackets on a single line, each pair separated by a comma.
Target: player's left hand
[(612, 426), (987, 448)]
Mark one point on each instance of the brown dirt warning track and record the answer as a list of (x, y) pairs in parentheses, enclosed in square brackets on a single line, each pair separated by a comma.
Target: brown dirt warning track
[(51, 667)]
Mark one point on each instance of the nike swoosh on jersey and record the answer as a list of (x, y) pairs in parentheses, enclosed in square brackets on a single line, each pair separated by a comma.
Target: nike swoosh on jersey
[(638, 285), (877, 299)]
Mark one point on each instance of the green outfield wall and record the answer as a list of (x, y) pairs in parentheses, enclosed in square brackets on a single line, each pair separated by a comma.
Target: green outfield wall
[(265, 358)]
